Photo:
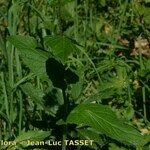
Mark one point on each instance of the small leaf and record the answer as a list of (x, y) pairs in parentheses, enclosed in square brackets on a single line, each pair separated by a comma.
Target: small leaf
[(105, 121)]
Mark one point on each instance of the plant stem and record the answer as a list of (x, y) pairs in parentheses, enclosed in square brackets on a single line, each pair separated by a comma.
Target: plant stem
[(143, 88), (64, 145), (76, 29), (144, 102), (66, 104), (5, 95), (6, 103), (19, 73)]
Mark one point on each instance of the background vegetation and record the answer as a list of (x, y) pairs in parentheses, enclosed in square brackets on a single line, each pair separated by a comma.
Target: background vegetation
[(75, 70)]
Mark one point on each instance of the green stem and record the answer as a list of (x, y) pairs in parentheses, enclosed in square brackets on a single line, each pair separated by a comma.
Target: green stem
[(24, 79), (94, 67), (1, 122), (19, 73), (5, 95), (122, 18), (86, 21), (10, 55), (129, 93), (144, 102), (143, 88), (6, 103), (76, 29), (64, 145), (66, 105)]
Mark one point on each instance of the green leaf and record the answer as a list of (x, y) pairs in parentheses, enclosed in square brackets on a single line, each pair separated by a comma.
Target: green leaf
[(145, 12), (113, 146), (105, 121), (35, 94), (33, 58), (89, 134), (56, 2), (23, 42), (102, 2), (33, 135), (76, 90), (25, 137), (61, 46)]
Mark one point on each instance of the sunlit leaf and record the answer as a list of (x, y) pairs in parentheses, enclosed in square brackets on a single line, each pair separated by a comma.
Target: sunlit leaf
[(33, 58), (105, 121), (25, 138), (61, 46), (34, 93)]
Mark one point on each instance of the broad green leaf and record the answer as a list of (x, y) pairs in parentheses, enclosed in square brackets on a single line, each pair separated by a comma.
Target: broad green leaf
[(23, 42), (33, 135), (89, 134), (35, 94), (33, 58), (61, 46), (105, 121), (26, 137)]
